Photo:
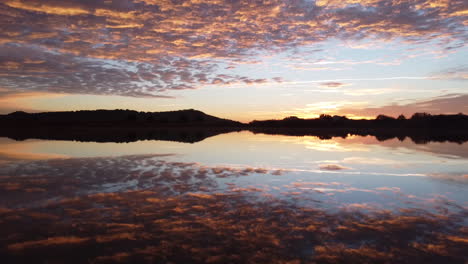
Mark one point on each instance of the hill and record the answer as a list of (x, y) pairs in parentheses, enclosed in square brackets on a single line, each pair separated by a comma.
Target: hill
[(115, 125), (116, 118)]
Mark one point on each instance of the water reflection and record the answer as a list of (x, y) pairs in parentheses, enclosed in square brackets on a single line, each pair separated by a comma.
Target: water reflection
[(233, 198), (235, 226), (196, 134), (115, 134), (26, 184)]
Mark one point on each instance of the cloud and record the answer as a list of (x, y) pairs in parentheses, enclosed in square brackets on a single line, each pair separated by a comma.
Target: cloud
[(199, 220), (332, 84), (29, 68), (51, 241), (150, 48), (333, 167), (130, 172), (154, 207), (451, 177), (459, 73), (9, 100), (449, 104), (229, 227)]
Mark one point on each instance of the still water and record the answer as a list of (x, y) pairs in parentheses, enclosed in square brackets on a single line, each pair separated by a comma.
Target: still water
[(234, 198)]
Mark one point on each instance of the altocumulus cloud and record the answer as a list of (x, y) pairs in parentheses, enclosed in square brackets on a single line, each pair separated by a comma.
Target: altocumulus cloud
[(451, 103), (151, 47)]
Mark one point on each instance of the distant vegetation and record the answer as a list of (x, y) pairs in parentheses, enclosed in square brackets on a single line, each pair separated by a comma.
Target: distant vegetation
[(192, 126), (417, 120), (421, 128), (193, 117)]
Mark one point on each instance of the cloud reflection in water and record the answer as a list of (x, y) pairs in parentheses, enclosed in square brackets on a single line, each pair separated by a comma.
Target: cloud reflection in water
[(154, 209)]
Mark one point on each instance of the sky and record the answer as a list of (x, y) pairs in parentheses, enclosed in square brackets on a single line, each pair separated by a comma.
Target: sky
[(242, 60)]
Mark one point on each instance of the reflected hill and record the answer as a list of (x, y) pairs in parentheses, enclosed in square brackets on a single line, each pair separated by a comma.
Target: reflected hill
[(117, 134), (193, 126)]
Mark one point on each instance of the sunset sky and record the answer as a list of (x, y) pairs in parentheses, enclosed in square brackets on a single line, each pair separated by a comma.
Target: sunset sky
[(241, 60)]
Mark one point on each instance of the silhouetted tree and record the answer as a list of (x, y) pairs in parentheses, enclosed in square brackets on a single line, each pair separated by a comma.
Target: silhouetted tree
[(401, 117), (291, 118), (150, 118), (421, 116), (384, 118), (325, 117), (132, 117)]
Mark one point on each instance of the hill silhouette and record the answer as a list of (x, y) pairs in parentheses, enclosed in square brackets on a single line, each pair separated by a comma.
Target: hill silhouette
[(115, 125), (116, 118), (192, 126)]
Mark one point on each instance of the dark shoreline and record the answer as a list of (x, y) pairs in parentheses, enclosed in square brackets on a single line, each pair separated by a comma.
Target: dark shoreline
[(116, 134), (418, 136), (193, 126), (196, 134)]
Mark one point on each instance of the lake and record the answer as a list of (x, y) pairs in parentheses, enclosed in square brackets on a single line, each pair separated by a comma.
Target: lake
[(233, 198)]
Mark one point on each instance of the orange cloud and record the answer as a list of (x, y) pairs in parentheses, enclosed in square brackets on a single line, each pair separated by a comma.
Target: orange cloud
[(449, 104), (131, 47)]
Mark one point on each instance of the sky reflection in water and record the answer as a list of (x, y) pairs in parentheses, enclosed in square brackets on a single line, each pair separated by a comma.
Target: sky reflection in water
[(236, 197)]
